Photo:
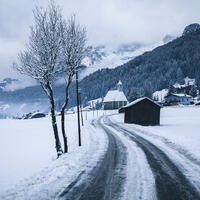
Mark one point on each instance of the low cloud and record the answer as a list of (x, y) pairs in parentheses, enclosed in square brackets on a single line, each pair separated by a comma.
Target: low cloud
[(109, 22)]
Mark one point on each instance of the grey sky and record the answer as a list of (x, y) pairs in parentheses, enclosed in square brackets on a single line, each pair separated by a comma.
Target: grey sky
[(108, 22)]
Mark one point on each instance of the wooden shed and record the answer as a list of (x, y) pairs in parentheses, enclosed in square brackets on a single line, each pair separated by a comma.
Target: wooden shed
[(142, 111)]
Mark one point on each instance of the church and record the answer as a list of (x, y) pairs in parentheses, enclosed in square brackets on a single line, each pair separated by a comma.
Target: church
[(115, 99)]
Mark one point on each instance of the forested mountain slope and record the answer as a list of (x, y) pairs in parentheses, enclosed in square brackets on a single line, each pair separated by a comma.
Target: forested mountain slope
[(151, 71)]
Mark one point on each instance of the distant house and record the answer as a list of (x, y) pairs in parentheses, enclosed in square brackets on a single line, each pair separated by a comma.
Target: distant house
[(197, 104), (115, 99), (38, 115), (185, 88), (34, 115), (178, 99), (142, 111)]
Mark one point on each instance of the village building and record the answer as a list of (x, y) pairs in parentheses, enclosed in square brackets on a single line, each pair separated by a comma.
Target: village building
[(142, 111), (184, 88), (178, 99), (115, 99), (197, 104)]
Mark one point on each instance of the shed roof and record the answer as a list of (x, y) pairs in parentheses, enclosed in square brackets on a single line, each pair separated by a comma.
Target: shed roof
[(139, 100), (115, 95)]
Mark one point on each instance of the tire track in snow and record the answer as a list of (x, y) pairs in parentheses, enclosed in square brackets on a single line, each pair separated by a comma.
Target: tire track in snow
[(171, 184), (171, 145), (186, 162), (140, 184), (106, 180)]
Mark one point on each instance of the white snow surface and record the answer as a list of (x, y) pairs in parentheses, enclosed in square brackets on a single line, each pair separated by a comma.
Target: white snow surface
[(29, 168)]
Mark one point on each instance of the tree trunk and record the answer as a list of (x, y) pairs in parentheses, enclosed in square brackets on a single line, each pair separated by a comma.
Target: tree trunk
[(63, 116), (63, 130), (77, 98), (54, 123)]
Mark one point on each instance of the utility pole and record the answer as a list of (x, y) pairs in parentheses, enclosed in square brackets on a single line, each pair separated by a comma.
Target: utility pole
[(78, 114), (81, 106), (86, 109), (93, 108)]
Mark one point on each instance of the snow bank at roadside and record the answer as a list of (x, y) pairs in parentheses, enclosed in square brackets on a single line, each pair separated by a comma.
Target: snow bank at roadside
[(26, 147)]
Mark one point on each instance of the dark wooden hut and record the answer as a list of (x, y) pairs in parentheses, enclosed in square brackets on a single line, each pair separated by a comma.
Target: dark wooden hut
[(142, 111), (121, 110)]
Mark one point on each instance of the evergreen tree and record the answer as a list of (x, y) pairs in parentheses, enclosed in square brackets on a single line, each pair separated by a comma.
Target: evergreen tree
[(171, 89), (134, 94), (179, 76)]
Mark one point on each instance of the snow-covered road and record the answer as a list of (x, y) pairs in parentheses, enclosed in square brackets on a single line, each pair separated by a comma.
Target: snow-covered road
[(135, 167), (170, 180), (106, 179)]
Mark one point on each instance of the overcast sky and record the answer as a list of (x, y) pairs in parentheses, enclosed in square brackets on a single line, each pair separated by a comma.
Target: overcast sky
[(109, 22)]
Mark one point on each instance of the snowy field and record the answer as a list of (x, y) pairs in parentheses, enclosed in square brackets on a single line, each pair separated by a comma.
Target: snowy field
[(28, 157), (29, 168), (180, 125)]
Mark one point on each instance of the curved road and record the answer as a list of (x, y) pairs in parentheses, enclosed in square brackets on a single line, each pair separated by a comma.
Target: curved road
[(107, 179), (171, 184)]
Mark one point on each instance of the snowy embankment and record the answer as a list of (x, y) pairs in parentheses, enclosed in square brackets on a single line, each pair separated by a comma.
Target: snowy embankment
[(178, 136), (29, 168)]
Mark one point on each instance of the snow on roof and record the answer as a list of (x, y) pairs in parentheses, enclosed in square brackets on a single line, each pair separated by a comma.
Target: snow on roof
[(181, 95), (177, 85), (114, 95), (119, 83), (189, 81), (138, 100)]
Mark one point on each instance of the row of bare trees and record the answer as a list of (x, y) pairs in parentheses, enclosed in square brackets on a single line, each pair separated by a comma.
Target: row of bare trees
[(54, 51)]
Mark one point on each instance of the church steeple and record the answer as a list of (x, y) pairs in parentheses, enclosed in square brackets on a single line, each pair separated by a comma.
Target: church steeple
[(119, 86)]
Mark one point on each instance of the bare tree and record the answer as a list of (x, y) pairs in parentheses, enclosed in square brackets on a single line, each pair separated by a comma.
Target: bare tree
[(74, 50), (42, 59)]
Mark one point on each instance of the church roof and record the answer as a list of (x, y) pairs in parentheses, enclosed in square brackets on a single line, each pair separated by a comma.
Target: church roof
[(114, 95)]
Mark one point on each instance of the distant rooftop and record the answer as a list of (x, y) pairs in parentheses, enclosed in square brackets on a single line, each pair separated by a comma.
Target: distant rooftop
[(188, 81), (181, 95)]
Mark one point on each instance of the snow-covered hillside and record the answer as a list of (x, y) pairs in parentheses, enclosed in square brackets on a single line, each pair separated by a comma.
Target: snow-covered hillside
[(104, 57)]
